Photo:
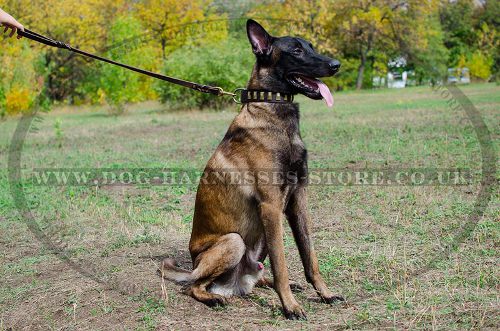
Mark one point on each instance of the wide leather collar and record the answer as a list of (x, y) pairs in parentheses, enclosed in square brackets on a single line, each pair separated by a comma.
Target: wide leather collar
[(265, 96)]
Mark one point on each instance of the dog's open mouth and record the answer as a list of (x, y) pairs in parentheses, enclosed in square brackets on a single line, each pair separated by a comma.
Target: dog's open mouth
[(311, 87)]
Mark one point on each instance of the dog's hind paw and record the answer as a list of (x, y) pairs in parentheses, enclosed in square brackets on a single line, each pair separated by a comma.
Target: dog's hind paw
[(218, 301)]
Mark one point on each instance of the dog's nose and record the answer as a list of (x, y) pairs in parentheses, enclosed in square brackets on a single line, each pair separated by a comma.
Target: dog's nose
[(334, 65)]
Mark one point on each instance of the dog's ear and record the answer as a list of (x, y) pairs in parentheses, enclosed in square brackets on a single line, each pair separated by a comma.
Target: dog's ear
[(259, 38)]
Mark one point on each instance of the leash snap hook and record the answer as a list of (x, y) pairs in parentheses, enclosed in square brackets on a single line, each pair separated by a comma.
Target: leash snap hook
[(221, 92), (235, 95)]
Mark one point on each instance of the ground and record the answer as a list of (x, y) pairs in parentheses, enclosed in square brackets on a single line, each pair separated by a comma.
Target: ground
[(383, 247)]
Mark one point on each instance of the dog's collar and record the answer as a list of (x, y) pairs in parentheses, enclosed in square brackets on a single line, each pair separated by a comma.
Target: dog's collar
[(265, 96)]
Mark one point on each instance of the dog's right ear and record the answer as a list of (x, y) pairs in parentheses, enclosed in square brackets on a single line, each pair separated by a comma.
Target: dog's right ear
[(259, 38)]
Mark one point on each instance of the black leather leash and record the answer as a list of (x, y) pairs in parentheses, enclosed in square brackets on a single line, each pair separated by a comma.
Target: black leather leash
[(245, 97)]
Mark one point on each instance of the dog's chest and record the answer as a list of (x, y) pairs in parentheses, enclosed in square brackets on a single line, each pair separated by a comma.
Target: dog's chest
[(298, 152), (293, 158)]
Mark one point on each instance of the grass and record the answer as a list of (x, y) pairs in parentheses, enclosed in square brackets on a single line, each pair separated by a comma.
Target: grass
[(379, 246)]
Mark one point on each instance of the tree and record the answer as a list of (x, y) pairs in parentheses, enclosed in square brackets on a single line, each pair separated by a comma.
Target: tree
[(82, 23), (225, 64), (116, 84), (471, 33), (174, 23), (419, 38), (372, 32), (458, 26), (308, 19), (362, 29), (373, 29)]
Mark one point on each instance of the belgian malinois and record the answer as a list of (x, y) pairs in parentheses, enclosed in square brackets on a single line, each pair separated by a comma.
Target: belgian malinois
[(236, 226)]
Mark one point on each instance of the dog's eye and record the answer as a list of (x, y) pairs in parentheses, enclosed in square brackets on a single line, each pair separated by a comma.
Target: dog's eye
[(297, 50)]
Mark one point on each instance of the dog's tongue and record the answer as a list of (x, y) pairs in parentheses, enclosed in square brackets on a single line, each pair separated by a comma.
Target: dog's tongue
[(325, 93)]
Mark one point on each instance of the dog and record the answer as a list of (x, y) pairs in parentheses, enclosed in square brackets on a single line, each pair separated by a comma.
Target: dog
[(235, 226)]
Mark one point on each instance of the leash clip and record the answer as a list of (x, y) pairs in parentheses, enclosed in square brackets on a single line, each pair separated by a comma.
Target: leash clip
[(235, 95)]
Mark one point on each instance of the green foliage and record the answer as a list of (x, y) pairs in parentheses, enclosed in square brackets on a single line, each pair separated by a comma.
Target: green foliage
[(471, 32), (226, 64), (457, 24), (428, 59), (2, 102), (346, 78), (179, 23), (117, 85)]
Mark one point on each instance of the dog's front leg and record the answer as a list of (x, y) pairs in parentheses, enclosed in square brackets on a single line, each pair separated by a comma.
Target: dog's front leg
[(270, 214), (299, 220)]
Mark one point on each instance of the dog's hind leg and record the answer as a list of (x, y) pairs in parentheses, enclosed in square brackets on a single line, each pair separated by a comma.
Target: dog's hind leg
[(224, 255)]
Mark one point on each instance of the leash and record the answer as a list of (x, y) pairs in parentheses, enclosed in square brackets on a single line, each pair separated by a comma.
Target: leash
[(245, 95), (215, 90)]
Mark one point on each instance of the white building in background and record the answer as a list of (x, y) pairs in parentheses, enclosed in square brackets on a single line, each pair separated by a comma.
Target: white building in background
[(458, 76), (397, 77), (396, 80)]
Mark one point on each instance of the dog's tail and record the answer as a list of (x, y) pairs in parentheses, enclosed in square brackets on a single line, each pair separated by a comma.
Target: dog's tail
[(169, 270)]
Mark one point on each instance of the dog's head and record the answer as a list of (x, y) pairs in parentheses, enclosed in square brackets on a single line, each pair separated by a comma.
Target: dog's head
[(292, 65)]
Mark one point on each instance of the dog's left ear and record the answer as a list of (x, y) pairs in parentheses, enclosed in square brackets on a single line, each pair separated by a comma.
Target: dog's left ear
[(259, 38)]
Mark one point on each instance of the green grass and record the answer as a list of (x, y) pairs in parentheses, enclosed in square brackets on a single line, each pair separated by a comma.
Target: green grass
[(382, 247)]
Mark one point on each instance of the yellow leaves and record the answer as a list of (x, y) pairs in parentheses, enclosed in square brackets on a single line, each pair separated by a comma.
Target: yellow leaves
[(18, 100), (487, 38), (480, 65), (380, 65), (16, 63), (101, 96), (370, 18), (179, 22), (462, 61)]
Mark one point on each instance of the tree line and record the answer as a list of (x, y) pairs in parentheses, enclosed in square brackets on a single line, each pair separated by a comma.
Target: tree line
[(205, 41)]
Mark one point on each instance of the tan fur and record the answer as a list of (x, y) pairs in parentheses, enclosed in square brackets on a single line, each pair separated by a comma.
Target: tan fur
[(237, 223), (233, 222)]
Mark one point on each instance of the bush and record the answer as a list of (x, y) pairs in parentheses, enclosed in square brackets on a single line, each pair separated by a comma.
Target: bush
[(480, 65), (21, 78), (117, 85), (227, 64), (346, 78), (18, 100)]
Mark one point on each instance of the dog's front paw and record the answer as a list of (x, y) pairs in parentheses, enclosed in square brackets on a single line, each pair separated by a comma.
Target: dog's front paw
[(295, 312)]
